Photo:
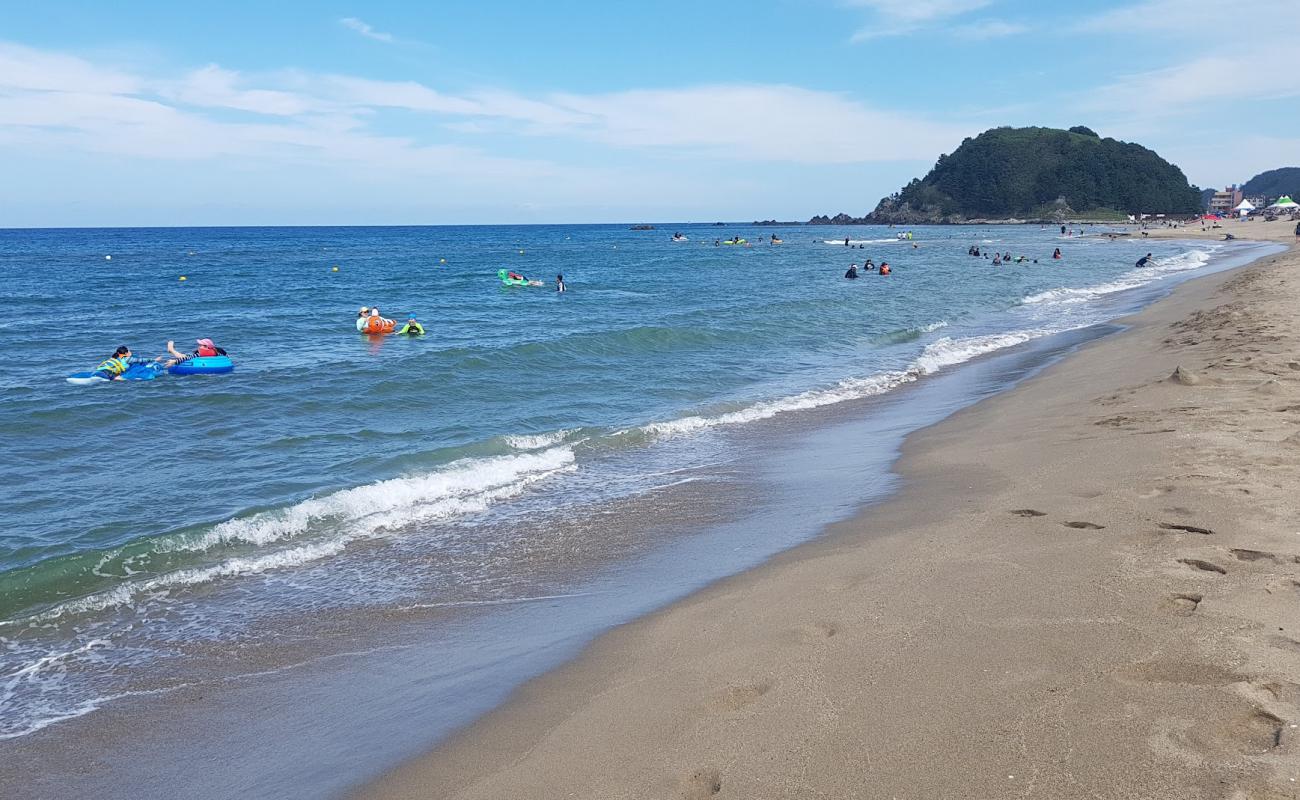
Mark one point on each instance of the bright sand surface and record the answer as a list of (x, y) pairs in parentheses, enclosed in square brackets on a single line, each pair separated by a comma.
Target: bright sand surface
[(1088, 586)]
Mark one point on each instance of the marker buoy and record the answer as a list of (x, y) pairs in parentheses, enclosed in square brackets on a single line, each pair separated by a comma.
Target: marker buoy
[(182, 277), (334, 269), (108, 258), (442, 261), (521, 252)]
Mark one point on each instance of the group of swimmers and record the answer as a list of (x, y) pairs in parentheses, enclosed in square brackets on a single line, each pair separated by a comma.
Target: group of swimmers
[(1006, 258), (369, 320), (114, 366), (852, 272)]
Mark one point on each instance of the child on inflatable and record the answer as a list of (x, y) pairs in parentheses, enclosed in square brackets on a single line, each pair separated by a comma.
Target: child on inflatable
[(111, 368)]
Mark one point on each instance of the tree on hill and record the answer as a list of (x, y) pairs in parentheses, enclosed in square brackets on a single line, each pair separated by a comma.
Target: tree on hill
[(1273, 184), (1040, 172)]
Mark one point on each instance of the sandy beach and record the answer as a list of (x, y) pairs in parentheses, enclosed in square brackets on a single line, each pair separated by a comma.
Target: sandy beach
[(1087, 587)]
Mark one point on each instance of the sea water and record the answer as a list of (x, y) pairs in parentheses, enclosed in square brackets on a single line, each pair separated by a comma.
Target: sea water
[(186, 531)]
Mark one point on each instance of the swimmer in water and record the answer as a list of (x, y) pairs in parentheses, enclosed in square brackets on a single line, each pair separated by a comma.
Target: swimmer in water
[(852, 272), (1143, 261)]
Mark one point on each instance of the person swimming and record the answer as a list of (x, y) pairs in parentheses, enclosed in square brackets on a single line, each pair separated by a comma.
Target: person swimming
[(559, 283), (1143, 261), (1056, 253), (884, 268), (852, 272), (411, 328)]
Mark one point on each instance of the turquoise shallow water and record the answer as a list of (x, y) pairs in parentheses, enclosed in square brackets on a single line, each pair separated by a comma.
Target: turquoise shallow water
[(156, 523)]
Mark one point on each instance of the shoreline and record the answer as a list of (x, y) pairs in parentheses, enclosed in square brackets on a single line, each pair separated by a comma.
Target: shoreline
[(940, 621)]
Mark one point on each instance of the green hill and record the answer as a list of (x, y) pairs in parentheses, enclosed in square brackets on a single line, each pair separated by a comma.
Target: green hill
[(1273, 184), (1041, 173)]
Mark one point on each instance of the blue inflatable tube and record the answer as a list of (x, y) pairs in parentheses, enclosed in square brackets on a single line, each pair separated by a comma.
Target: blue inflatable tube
[(204, 365), (136, 372)]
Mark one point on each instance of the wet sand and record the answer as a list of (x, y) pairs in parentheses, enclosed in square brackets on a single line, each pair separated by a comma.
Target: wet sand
[(1087, 587)]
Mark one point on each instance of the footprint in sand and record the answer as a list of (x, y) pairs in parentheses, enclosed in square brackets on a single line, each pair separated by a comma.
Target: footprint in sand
[(1183, 604), (819, 630), (1084, 526), (1254, 731), (1178, 527), (1244, 554), (1028, 512), (1204, 566), (701, 784), (736, 697)]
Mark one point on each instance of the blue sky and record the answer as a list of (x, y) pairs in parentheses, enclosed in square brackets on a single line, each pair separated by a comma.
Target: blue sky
[(151, 113)]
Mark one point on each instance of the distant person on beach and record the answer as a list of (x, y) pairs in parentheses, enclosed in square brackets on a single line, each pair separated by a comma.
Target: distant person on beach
[(852, 272), (559, 283), (1143, 261), (1062, 230), (1297, 230), (846, 241)]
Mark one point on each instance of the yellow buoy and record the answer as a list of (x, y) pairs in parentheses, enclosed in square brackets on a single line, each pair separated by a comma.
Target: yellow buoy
[(334, 269), (108, 258), (182, 277), (442, 261), (521, 252)]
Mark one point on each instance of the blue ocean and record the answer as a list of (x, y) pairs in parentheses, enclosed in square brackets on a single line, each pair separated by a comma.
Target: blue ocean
[(194, 531)]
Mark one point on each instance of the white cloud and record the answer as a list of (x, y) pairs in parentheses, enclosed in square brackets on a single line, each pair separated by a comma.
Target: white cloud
[(31, 69), (897, 17), (214, 87), (630, 149), (175, 116), (1183, 87), (365, 29), (1212, 21)]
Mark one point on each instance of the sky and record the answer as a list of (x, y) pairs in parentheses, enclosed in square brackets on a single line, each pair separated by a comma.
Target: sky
[(317, 112)]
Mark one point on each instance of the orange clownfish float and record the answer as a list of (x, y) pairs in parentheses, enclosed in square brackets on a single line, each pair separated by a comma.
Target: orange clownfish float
[(380, 325)]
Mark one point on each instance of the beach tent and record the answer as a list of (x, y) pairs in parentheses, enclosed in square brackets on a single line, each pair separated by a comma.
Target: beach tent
[(1245, 208), (1285, 202)]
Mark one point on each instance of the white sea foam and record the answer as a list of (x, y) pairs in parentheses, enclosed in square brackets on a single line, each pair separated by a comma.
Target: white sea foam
[(452, 490), (941, 353), (1193, 259), (537, 441), (947, 352), (461, 488), (852, 389)]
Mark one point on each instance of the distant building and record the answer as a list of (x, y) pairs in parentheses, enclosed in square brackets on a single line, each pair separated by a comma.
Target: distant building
[(1223, 202)]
